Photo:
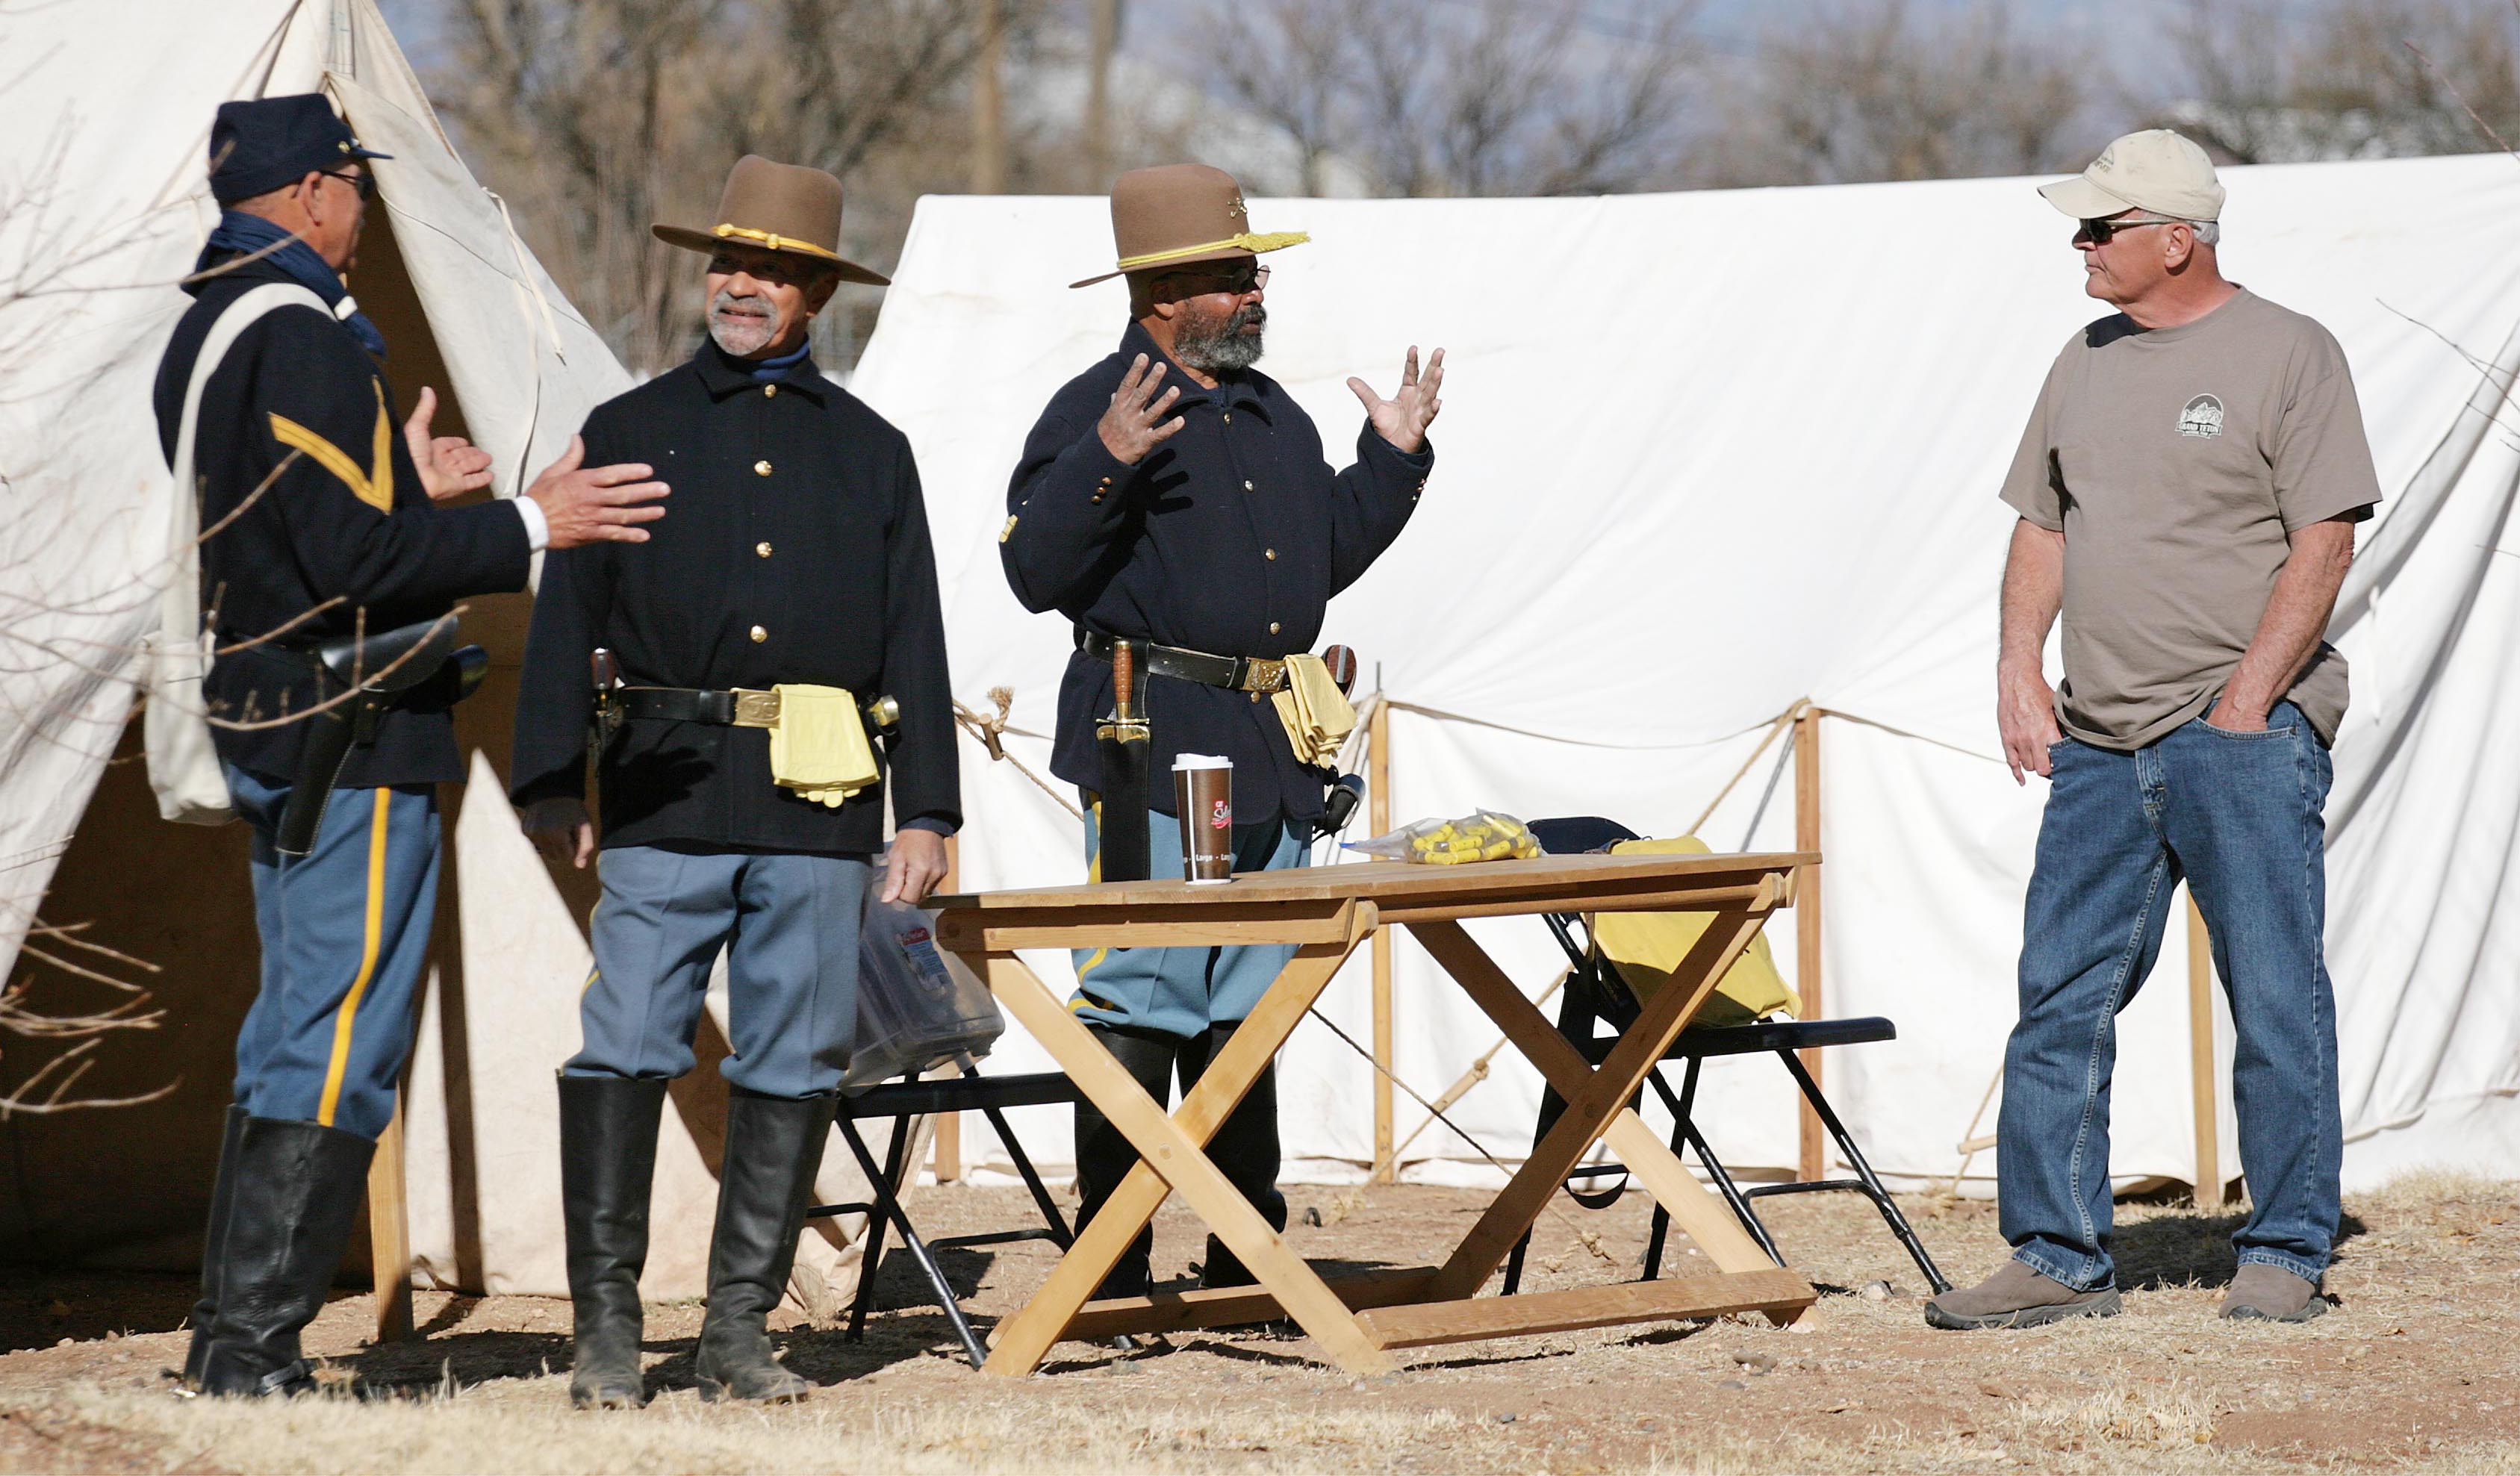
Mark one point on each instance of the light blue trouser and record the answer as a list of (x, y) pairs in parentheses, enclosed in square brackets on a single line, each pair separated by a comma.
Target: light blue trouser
[(789, 928), (344, 937), (1181, 991)]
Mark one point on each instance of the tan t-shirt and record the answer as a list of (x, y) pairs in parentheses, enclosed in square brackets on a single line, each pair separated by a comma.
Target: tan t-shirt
[(2177, 461)]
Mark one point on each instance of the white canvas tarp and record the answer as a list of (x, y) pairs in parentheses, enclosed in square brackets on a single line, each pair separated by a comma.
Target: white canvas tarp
[(1705, 455), (103, 207)]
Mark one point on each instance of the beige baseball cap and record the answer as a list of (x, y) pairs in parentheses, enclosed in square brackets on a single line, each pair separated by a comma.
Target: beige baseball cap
[(2154, 170)]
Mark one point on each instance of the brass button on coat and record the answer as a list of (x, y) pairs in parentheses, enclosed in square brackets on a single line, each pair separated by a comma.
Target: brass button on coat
[(1267, 553), (759, 635), (1273, 627), (762, 548), (770, 391), (761, 468)]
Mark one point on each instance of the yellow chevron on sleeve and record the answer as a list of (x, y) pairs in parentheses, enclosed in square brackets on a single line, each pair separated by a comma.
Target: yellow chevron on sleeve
[(377, 491)]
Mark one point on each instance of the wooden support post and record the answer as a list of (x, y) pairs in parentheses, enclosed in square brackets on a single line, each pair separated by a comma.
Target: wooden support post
[(1104, 33), (390, 1234), (2210, 1178), (1378, 816), (947, 1154), (1807, 935)]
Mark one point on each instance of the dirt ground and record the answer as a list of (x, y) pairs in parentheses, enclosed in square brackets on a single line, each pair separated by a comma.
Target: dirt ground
[(2414, 1369)]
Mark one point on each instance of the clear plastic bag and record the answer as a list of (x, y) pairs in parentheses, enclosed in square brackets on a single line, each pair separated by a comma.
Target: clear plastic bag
[(1485, 835), (917, 1005)]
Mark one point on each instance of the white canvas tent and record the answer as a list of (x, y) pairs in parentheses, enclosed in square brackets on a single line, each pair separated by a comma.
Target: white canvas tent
[(103, 207), (1705, 455)]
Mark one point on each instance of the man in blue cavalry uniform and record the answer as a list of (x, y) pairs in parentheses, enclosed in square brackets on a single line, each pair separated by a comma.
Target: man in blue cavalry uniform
[(1175, 499), (324, 531), (798, 555)]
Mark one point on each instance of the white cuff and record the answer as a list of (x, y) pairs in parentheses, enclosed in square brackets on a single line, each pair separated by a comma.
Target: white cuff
[(537, 526)]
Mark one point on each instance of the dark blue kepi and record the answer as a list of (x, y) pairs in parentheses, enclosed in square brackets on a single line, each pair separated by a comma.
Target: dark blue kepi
[(261, 144)]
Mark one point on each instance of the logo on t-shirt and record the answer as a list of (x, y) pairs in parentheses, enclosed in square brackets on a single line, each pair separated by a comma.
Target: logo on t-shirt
[(2203, 416)]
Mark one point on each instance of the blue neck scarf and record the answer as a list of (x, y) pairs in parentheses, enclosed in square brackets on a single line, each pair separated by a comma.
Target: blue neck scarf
[(245, 234), (766, 370)]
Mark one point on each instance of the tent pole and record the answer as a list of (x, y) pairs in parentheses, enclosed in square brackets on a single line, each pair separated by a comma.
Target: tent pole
[(389, 1234), (1378, 816), (989, 103), (1807, 981), (947, 1142), (2210, 1179)]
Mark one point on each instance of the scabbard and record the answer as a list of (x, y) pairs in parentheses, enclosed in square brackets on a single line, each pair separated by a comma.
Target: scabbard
[(1123, 743), (318, 763)]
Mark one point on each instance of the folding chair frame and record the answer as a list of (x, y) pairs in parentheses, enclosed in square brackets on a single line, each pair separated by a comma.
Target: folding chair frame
[(912, 1097), (1594, 995)]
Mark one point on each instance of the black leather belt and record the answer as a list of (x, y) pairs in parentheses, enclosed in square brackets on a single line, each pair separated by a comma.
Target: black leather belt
[(738, 708), (1235, 673)]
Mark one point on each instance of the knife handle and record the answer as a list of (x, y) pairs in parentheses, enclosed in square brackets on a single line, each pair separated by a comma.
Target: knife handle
[(1124, 677), (1341, 662)]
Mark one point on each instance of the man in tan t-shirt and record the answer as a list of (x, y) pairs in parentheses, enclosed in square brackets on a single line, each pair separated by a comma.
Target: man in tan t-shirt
[(2187, 491)]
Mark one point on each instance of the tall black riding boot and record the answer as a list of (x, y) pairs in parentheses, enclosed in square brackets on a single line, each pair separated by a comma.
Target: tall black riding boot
[(1245, 1149), (607, 1165), (214, 1241), (774, 1144), (298, 1186), (1104, 1155)]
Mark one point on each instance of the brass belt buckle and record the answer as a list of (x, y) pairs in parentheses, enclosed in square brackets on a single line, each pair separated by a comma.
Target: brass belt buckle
[(756, 709), (1262, 674)]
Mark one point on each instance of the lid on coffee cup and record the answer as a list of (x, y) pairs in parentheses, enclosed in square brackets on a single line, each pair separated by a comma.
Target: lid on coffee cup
[(1201, 761)]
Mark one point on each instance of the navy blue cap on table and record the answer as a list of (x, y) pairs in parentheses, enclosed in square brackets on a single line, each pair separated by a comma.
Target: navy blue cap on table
[(261, 144)]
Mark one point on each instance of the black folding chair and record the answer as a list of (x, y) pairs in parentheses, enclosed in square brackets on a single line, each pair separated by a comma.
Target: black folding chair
[(1595, 996), (911, 1097)]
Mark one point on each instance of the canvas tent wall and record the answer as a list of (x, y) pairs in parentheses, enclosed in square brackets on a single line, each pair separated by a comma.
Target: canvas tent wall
[(103, 207), (1705, 455)]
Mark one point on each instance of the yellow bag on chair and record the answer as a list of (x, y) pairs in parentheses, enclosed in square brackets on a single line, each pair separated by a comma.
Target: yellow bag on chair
[(818, 746), (1645, 946), (1316, 712)]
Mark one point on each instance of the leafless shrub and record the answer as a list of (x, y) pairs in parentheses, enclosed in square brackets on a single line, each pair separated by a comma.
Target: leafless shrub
[(2269, 82)]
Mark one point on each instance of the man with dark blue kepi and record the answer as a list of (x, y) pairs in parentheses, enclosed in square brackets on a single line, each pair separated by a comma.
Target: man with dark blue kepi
[(326, 555), (1174, 505)]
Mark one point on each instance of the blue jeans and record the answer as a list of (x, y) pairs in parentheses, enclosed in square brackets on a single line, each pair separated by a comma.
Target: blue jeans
[(2237, 816), (788, 926)]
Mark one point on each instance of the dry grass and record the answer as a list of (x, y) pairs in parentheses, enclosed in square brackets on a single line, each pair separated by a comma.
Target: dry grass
[(2412, 1374)]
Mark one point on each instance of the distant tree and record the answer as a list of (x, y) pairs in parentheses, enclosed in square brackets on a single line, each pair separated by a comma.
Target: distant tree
[(2269, 82), (1882, 90)]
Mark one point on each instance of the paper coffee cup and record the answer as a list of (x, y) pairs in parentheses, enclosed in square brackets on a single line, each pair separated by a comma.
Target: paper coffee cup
[(1203, 799)]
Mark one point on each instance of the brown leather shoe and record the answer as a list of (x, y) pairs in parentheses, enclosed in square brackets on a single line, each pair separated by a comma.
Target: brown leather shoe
[(2017, 1297), (2263, 1293)]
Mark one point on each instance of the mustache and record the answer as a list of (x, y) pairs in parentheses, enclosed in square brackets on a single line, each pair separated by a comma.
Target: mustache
[(746, 306), (1248, 316)]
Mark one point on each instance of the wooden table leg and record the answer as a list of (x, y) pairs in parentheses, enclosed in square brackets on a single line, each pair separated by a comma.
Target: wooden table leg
[(1596, 1099), (1174, 1155)]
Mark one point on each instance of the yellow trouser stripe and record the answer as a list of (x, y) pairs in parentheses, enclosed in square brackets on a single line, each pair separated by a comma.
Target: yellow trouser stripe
[(341, 1023), (1093, 875), (376, 492)]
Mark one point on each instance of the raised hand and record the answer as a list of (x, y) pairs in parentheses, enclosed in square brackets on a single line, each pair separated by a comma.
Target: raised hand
[(1403, 419), (449, 465), (585, 505), (1134, 425)]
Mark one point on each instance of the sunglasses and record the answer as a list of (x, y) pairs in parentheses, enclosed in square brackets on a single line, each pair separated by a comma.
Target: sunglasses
[(363, 182), (1250, 279), (2098, 231)]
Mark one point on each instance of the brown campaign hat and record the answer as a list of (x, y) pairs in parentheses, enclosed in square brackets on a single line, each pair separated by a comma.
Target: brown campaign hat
[(776, 207), (1181, 214)]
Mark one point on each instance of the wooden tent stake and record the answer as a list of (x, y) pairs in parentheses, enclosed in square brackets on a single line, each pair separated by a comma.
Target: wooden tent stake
[(1807, 981), (2210, 1178), (1378, 818), (390, 1234)]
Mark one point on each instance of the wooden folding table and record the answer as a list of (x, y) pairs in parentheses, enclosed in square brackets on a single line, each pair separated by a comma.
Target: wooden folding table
[(1326, 911)]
